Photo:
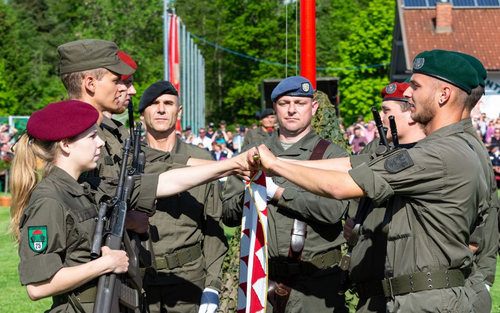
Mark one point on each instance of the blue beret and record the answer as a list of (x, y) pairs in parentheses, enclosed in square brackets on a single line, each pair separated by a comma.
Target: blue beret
[(446, 66), (297, 86), (154, 91)]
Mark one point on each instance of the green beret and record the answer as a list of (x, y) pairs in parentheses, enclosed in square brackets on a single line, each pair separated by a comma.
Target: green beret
[(446, 66), (477, 65)]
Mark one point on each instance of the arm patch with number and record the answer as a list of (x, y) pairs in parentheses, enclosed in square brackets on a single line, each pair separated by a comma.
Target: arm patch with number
[(398, 162)]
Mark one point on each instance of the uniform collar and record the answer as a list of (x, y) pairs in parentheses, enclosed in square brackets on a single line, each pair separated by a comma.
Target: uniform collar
[(61, 178), (108, 124), (446, 131), (306, 143), (154, 155), (467, 123)]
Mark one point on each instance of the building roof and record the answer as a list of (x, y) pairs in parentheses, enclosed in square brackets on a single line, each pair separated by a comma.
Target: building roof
[(475, 31)]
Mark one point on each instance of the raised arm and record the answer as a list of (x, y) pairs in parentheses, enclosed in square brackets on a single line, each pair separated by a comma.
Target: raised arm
[(339, 164), (182, 179), (326, 183)]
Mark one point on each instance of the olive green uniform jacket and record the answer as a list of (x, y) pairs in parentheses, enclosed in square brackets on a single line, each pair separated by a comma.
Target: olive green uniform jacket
[(105, 176), (254, 135), (67, 210), (316, 292), (183, 220), (369, 255), (485, 234), (437, 192)]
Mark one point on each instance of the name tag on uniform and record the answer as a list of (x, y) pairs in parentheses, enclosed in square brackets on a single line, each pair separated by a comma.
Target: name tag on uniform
[(398, 162)]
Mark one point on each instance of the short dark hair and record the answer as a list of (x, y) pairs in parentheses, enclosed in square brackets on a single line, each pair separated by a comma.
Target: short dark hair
[(473, 98)]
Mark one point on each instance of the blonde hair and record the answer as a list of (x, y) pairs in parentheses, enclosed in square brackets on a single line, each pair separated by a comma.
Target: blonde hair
[(25, 176)]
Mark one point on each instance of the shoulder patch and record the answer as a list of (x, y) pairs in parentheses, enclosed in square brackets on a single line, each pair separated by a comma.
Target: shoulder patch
[(398, 162), (37, 238)]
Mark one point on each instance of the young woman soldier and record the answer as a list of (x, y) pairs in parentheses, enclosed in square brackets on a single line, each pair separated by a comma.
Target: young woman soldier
[(53, 220)]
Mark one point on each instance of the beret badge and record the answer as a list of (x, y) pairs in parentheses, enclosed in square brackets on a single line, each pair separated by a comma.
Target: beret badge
[(305, 87), (418, 63), (391, 88)]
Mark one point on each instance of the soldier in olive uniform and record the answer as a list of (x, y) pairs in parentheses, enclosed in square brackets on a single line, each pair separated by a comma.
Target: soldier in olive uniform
[(53, 221), (267, 120), (91, 71), (483, 241), (310, 223), (368, 255), (187, 232), (436, 187)]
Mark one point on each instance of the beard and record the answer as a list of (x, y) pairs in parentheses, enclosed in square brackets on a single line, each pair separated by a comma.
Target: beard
[(426, 112)]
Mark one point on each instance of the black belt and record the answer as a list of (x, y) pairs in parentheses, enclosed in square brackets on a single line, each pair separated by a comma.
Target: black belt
[(307, 267), (179, 257), (414, 282)]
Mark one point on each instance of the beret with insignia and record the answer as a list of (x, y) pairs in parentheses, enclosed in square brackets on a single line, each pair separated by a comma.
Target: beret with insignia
[(446, 66), (89, 54), (394, 91), (62, 120), (129, 61), (296, 86), (477, 65), (154, 91)]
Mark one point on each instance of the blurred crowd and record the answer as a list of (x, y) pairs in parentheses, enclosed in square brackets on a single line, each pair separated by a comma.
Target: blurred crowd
[(221, 142)]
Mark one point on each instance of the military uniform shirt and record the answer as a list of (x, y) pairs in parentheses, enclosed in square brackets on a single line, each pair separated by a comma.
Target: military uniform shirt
[(67, 210), (486, 234), (254, 135), (438, 189), (322, 215), (183, 220), (105, 176)]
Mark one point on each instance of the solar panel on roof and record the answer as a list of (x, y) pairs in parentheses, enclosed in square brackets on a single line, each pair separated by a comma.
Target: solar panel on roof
[(415, 3), (464, 3), (455, 3), (488, 3)]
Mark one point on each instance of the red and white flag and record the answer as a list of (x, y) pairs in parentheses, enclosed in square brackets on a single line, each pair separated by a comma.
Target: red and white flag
[(252, 291), (174, 64)]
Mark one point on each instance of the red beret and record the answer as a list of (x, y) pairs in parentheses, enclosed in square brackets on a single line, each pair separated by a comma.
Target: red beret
[(61, 120), (128, 60), (394, 91)]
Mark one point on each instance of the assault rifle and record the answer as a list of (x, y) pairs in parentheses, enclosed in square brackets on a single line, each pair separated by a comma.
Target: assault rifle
[(365, 203), (117, 292)]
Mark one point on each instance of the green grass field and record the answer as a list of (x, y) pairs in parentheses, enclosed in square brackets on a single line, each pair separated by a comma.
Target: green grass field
[(13, 296)]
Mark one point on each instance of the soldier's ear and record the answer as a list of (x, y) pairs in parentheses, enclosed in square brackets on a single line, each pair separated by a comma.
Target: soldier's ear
[(444, 94), (89, 83), (64, 146), (315, 106)]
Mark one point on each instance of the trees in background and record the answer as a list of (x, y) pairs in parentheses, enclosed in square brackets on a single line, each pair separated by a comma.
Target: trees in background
[(369, 43), (349, 33)]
